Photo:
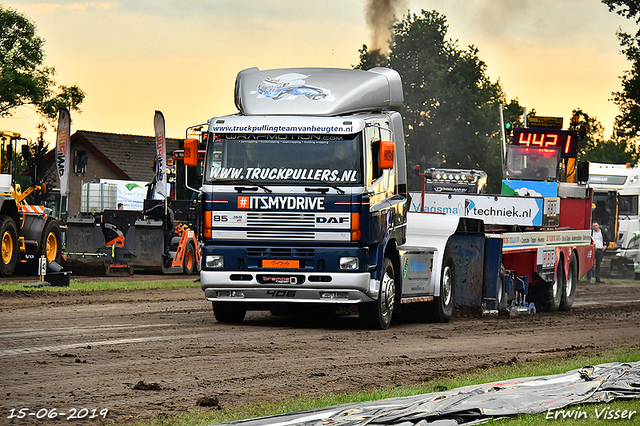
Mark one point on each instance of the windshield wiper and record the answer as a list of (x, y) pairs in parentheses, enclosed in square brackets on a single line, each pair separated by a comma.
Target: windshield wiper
[(324, 182), (248, 182)]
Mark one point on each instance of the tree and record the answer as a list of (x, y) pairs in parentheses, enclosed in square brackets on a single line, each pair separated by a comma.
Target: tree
[(627, 123), (594, 147), (514, 113), (24, 79), (630, 9), (594, 136), (370, 59), (615, 151), (451, 107)]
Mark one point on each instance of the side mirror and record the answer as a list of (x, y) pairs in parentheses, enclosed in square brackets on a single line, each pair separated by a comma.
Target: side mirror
[(191, 152), (583, 171), (387, 154)]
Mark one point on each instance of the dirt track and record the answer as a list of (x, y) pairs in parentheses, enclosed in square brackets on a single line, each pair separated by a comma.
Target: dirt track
[(89, 350)]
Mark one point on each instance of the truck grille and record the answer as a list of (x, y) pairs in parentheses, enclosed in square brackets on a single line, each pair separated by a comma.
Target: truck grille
[(270, 235), (276, 220), (279, 252), (282, 226)]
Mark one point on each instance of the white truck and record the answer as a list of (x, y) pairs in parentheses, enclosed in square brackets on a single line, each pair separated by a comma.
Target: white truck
[(616, 188)]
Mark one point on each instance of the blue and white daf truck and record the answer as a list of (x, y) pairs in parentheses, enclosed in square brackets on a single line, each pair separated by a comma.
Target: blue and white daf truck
[(304, 201)]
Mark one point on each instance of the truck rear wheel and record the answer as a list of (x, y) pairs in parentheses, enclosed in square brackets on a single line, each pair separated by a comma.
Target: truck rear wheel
[(441, 309), (550, 296), (569, 288), (377, 315), (502, 299), (189, 260), (50, 246), (232, 313), (8, 245)]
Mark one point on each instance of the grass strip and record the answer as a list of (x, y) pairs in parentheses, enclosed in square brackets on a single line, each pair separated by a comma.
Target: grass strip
[(75, 285)]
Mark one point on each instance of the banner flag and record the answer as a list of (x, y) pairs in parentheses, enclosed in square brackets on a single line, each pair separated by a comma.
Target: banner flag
[(161, 153), (62, 150)]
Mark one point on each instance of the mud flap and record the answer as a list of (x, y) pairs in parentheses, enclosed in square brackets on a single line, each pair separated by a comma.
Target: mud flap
[(492, 263), (468, 252)]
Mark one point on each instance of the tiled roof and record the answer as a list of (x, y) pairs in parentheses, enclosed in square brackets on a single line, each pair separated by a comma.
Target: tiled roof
[(131, 154)]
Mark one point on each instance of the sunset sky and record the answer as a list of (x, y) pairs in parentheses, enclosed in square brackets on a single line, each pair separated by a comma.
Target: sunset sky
[(181, 57)]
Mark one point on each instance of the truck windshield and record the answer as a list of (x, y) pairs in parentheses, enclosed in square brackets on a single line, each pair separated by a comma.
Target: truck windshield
[(284, 159), (628, 205), (531, 163)]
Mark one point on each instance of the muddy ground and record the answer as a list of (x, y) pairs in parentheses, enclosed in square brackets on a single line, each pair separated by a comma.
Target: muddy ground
[(69, 351)]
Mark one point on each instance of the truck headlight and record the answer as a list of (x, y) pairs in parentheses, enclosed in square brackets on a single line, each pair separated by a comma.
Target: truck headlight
[(215, 261), (351, 263)]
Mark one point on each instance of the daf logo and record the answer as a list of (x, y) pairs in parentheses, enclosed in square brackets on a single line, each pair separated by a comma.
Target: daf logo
[(332, 220)]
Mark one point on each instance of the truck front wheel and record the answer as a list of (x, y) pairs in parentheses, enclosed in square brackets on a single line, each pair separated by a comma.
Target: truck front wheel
[(232, 313), (8, 245), (377, 315)]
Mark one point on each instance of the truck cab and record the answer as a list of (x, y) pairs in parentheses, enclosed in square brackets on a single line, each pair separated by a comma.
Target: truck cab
[(616, 188)]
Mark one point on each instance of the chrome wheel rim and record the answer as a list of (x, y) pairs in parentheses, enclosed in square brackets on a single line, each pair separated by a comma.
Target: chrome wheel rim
[(388, 295), (447, 284)]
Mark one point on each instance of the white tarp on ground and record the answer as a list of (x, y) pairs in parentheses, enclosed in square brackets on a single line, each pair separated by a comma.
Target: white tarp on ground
[(557, 395)]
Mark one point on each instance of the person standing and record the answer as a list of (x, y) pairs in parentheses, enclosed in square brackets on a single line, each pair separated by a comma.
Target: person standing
[(601, 241)]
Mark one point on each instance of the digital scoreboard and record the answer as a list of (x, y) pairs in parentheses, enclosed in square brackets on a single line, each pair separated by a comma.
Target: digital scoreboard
[(566, 141)]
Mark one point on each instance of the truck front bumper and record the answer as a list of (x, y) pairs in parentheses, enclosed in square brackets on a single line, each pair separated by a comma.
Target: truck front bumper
[(330, 288)]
